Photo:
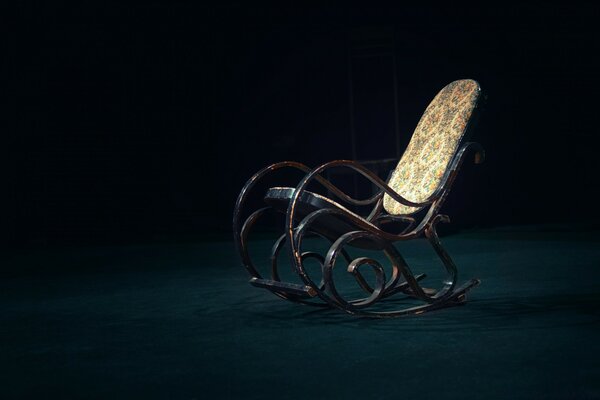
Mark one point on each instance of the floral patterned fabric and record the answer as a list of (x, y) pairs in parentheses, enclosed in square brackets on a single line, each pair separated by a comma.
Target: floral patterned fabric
[(433, 144)]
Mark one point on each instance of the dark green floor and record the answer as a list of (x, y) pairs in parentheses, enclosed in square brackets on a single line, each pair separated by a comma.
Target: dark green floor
[(180, 322)]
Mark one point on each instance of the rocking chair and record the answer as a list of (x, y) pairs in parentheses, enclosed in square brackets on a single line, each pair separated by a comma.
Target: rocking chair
[(413, 195)]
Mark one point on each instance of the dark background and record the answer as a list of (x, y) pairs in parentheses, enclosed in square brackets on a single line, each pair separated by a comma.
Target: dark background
[(127, 132), (140, 123)]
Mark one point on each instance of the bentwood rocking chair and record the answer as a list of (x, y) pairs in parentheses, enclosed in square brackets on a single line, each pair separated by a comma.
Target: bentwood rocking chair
[(413, 195)]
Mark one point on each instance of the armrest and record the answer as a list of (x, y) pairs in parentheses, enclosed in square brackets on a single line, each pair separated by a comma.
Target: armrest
[(294, 165), (447, 180)]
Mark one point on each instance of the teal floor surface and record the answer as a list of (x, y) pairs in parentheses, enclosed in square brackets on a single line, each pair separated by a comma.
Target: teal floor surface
[(181, 322)]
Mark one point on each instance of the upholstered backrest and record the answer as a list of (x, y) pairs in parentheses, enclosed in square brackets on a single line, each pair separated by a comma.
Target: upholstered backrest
[(433, 145)]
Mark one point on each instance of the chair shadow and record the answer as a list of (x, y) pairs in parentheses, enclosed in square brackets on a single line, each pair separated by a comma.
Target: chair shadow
[(495, 313)]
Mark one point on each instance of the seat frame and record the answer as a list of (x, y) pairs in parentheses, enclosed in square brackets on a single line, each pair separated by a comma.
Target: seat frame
[(371, 228)]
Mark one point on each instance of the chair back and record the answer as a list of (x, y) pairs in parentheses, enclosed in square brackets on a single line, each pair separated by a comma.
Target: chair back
[(433, 145)]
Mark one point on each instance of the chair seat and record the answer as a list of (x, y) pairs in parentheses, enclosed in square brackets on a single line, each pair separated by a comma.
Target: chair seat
[(330, 225)]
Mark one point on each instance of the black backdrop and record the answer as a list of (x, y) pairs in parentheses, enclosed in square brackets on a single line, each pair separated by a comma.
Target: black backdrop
[(132, 123)]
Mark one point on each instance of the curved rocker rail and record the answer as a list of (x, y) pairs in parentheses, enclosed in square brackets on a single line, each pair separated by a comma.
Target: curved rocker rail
[(369, 229)]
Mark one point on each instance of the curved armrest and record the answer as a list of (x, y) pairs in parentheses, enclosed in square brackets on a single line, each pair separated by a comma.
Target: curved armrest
[(470, 146), (437, 194), (290, 215), (294, 165), (361, 169), (237, 211)]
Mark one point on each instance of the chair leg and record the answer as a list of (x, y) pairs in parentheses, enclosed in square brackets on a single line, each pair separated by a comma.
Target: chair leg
[(451, 270)]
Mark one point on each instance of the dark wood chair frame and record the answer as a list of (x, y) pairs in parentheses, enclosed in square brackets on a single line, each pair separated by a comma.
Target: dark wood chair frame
[(355, 231)]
